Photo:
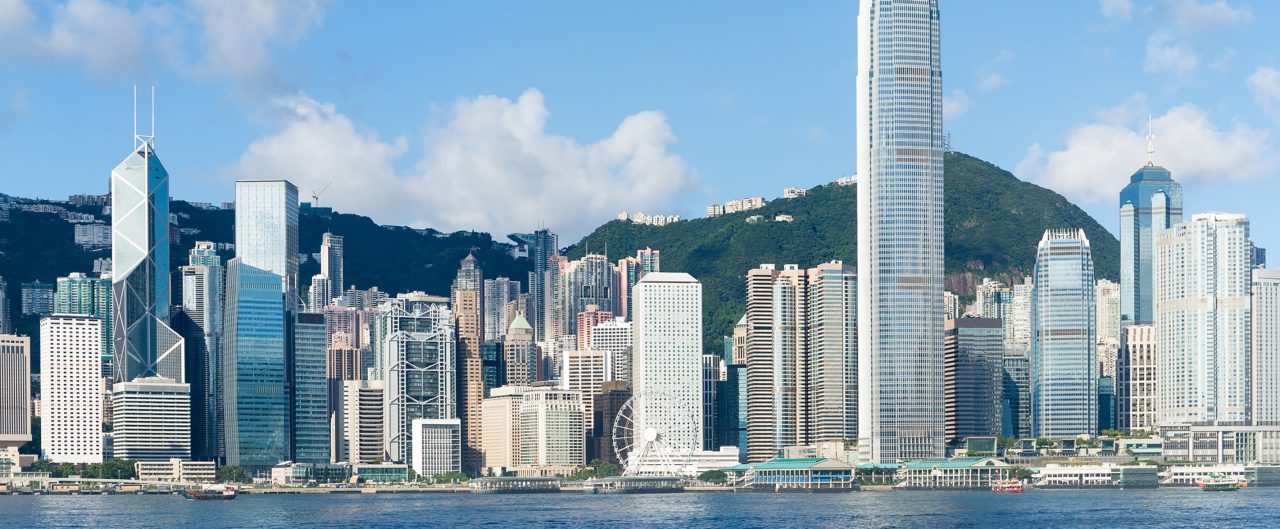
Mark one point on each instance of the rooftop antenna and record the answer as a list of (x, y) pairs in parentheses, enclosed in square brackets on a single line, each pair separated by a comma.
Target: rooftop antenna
[(140, 141), (1151, 143)]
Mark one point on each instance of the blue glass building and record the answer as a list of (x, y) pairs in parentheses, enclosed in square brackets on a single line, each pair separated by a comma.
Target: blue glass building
[(1152, 201), (308, 388), (1064, 365), (255, 390)]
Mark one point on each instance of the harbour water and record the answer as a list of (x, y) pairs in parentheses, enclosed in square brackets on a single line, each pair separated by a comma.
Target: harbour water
[(1166, 507)]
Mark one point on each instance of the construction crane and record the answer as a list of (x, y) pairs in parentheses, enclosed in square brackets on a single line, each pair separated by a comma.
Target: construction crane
[(315, 195)]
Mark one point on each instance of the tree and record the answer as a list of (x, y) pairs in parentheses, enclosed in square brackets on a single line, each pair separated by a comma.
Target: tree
[(1112, 433), (713, 476), (598, 468), (449, 477), (1042, 442), (232, 474), (412, 475)]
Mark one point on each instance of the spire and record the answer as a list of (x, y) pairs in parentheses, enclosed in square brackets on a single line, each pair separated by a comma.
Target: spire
[(144, 142), (1151, 143)]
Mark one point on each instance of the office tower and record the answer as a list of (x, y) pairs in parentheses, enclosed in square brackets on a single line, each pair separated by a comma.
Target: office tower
[(1136, 379), (151, 419), (519, 353), (605, 407), (1015, 399), (468, 313), (331, 265), (900, 148), (267, 231), (551, 432), (6, 323), (614, 337), (143, 344), (255, 396), (200, 324), (1151, 202), (501, 444), (71, 389), (498, 292), (1265, 347), (585, 282), (542, 250), (437, 446), (1064, 366), (583, 373), (731, 409), (832, 341), (416, 340), (493, 367), (667, 357), (553, 303), (1259, 259), (1202, 293), (358, 421), (308, 388), (628, 272), (973, 378), (712, 369), (587, 321), (90, 296), (739, 355), (37, 299), (318, 294), (1106, 403), (15, 391), (1108, 312)]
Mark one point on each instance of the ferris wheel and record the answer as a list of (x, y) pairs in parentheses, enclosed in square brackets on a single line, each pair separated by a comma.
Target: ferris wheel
[(661, 443)]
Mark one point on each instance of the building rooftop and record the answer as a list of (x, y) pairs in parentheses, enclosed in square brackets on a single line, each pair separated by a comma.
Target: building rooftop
[(956, 462)]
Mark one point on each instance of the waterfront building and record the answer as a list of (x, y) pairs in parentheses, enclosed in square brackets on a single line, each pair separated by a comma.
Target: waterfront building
[(519, 353), (1136, 379), (498, 292), (500, 446), (15, 391), (358, 421), (1207, 443), (177, 470), (973, 380), (551, 432), (1202, 299), (71, 403), (267, 231), (308, 388), (200, 325), (794, 474), (587, 321), (78, 293), (832, 366), (1064, 367), (900, 231), (712, 373), (1106, 475), (583, 372), (331, 266), (416, 341), (1265, 347), (468, 312), (962, 473), (1151, 202), (151, 419), (437, 446), (255, 396), (614, 337), (667, 357)]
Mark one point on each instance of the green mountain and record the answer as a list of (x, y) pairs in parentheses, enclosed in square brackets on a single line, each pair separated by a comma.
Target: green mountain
[(993, 223)]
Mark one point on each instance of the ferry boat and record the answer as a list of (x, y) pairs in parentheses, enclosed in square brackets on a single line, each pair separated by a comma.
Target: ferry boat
[(1219, 483), (1007, 486), (210, 492)]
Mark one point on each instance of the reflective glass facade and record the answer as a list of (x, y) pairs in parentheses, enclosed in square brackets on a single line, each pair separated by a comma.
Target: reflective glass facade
[(255, 394), (308, 388), (1152, 201), (267, 230), (1064, 365)]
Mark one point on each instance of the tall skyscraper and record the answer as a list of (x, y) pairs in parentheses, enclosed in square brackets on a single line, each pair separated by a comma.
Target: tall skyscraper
[(542, 250), (200, 324), (973, 378), (1202, 298), (71, 389), (832, 341), (1064, 366), (761, 442), (6, 323), (267, 231), (614, 337), (255, 393), (498, 292), (583, 372), (520, 354), (667, 356), (358, 422), (1136, 379), (585, 282), (308, 389), (629, 271), (1015, 399), (415, 337), (1265, 347), (1108, 313), (143, 344), (1151, 202), (331, 267), (15, 391), (468, 313), (900, 238)]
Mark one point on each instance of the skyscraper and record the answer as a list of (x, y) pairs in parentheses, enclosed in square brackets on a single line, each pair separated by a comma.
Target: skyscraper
[(151, 419), (667, 357), (15, 390), (308, 389), (200, 324), (585, 282), (832, 341), (78, 293), (468, 313), (520, 355), (1265, 347), (1202, 302), (1064, 366), (973, 378), (415, 337), (498, 292), (255, 394), (331, 267), (900, 238), (267, 231), (543, 248), (1108, 313), (1136, 379), (71, 389), (143, 344), (614, 336), (1151, 202)]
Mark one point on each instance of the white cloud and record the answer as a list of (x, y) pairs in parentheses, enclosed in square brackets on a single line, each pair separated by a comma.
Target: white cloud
[(1165, 54), (493, 166), (107, 38), (1098, 157), (1265, 85), (240, 36), (955, 104), (16, 21), (991, 82), (1196, 15), (1116, 9)]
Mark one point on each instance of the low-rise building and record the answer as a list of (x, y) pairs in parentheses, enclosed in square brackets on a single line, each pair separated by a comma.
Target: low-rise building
[(176, 469), (1095, 476), (437, 446), (969, 473), (1222, 444), (793, 474)]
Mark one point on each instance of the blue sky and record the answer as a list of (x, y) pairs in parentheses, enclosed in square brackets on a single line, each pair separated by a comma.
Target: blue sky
[(502, 115)]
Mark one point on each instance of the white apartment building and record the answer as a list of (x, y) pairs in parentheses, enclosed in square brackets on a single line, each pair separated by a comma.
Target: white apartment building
[(614, 336), (71, 403), (1265, 353)]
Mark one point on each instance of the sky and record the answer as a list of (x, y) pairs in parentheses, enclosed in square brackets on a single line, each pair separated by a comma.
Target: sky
[(505, 116)]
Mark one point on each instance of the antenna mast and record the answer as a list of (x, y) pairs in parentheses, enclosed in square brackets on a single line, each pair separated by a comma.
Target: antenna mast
[(1151, 142)]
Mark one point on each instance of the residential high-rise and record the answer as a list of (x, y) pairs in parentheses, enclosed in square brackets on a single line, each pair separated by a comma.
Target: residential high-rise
[(973, 378), (761, 441), (543, 248), (1108, 313), (255, 394), (415, 337), (267, 231), (200, 324), (629, 271), (498, 292), (1017, 340), (143, 344), (318, 294), (900, 231), (15, 391), (331, 267), (831, 388), (614, 337), (591, 316), (468, 312), (151, 419), (520, 354), (1202, 297), (585, 282), (1151, 202), (71, 389), (1064, 366), (551, 432), (1136, 379), (667, 357), (78, 293), (1265, 347), (308, 388)]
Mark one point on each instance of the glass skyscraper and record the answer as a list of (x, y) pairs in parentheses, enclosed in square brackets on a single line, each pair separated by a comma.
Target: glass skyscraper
[(415, 338), (900, 237), (1152, 201), (1064, 365), (255, 393), (267, 231), (200, 323), (308, 389)]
